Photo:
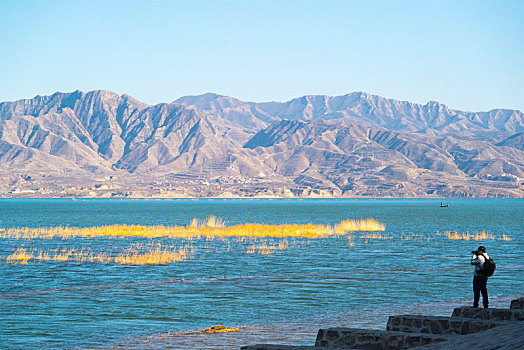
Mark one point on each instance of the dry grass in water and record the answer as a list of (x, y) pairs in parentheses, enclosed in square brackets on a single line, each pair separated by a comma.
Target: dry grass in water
[(375, 236), (210, 228), (214, 329), (131, 256), (20, 256), (477, 236), (264, 249), (367, 225), (506, 237)]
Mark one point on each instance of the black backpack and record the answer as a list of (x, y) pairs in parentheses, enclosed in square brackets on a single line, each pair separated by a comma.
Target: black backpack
[(489, 267)]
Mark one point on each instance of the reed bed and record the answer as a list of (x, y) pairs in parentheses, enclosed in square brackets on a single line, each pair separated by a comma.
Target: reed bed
[(477, 236), (366, 225), (20, 256), (130, 256), (210, 228), (261, 239), (375, 236), (264, 249), (506, 237), (179, 243)]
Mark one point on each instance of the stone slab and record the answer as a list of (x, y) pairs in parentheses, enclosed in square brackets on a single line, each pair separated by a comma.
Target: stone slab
[(489, 314), (440, 324), (278, 347), (517, 303), (366, 339), (509, 337)]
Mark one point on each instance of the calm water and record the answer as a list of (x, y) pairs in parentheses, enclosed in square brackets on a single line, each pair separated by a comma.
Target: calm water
[(283, 297)]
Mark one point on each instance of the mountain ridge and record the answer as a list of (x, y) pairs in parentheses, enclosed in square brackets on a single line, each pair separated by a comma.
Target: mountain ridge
[(367, 108), (356, 144)]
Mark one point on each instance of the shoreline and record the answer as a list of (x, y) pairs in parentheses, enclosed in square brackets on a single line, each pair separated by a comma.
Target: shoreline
[(246, 197)]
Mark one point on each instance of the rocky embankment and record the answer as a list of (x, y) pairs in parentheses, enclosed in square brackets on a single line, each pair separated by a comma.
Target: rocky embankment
[(467, 328)]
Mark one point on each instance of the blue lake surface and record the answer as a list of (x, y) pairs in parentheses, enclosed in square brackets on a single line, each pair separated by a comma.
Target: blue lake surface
[(281, 297)]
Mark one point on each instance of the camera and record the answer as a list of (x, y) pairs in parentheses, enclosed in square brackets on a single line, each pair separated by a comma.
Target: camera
[(474, 252)]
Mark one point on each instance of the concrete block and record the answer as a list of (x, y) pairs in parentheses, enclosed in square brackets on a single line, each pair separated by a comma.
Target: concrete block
[(440, 324), (489, 314), (365, 339), (517, 303)]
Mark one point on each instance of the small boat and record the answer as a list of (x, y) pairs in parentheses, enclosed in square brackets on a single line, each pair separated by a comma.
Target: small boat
[(443, 206)]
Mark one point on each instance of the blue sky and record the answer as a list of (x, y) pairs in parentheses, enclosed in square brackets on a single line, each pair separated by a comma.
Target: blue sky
[(466, 54)]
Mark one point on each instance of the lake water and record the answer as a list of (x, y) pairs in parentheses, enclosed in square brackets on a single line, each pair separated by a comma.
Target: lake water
[(283, 297)]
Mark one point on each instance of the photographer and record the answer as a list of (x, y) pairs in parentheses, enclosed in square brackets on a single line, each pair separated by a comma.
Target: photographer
[(480, 280)]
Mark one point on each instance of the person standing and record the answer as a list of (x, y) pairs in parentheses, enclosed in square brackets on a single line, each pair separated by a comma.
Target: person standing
[(480, 280)]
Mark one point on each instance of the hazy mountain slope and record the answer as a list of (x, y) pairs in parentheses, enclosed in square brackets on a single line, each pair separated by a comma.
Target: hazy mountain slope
[(101, 129), (92, 119), (516, 141), (431, 118), (333, 150), (245, 114)]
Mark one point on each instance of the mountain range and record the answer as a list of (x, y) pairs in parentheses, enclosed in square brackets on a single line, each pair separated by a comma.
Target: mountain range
[(100, 143)]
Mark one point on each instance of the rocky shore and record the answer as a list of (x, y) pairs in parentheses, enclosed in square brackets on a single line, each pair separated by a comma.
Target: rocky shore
[(467, 328)]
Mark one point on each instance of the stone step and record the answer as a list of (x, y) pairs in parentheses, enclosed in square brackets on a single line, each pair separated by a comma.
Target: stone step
[(440, 324), (509, 337), (517, 303), (489, 314), (278, 347), (354, 338)]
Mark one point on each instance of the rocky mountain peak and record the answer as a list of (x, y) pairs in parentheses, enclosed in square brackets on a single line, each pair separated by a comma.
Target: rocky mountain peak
[(355, 144)]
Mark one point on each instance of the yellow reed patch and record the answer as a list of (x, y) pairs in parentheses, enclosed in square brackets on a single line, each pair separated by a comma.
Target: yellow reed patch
[(20, 256), (506, 237), (214, 329), (131, 256), (262, 239), (209, 228), (152, 257), (283, 244), (478, 236), (368, 225), (266, 249)]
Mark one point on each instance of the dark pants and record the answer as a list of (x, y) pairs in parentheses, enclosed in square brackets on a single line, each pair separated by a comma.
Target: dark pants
[(479, 286)]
